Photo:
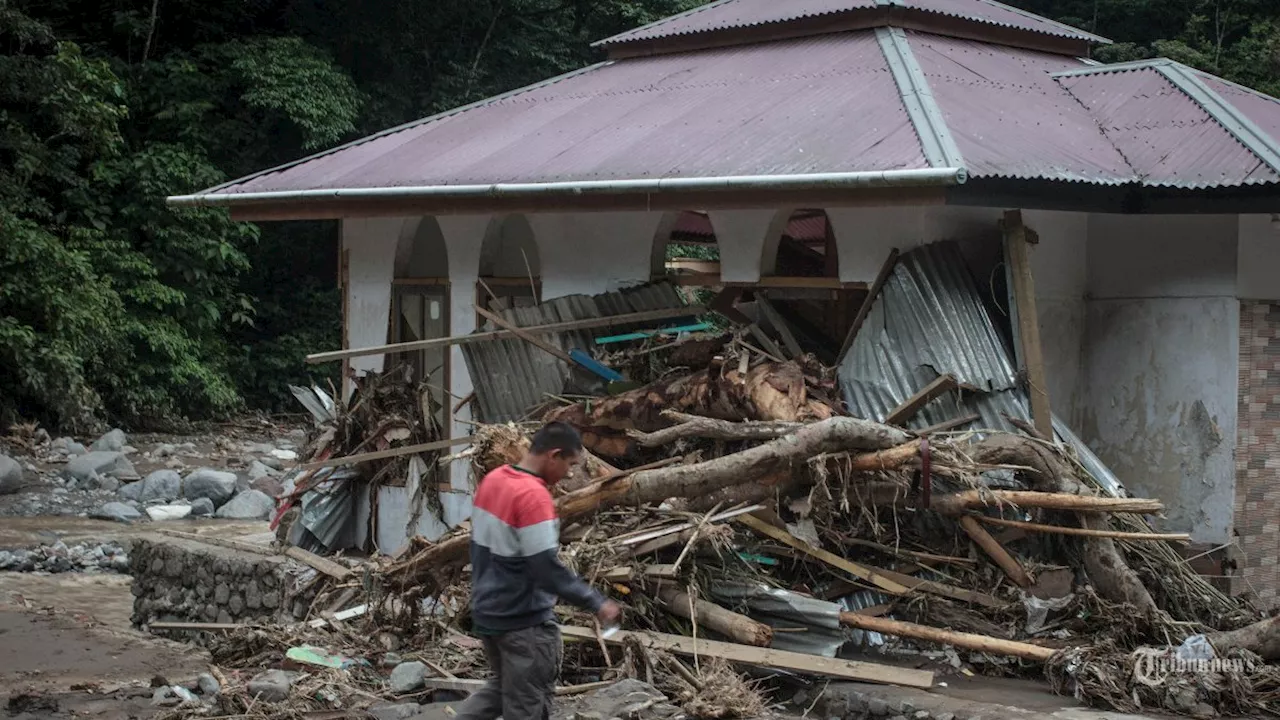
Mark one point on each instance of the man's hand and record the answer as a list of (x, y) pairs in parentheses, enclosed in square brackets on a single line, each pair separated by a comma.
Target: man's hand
[(610, 613)]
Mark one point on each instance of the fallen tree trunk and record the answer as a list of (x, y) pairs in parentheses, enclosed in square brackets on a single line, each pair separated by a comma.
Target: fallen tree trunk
[(694, 426), (771, 391), (1261, 638), (835, 435), (966, 641), (738, 628)]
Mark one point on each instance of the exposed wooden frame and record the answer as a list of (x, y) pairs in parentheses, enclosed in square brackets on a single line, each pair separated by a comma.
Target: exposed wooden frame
[(1031, 354), (388, 453)]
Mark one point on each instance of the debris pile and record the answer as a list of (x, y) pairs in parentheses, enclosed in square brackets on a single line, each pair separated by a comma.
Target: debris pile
[(758, 511), (60, 557)]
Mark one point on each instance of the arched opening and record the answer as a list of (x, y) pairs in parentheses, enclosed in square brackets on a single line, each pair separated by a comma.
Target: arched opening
[(510, 270), (420, 309), (685, 246)]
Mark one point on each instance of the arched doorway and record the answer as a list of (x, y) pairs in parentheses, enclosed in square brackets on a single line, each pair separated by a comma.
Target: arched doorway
[(420, 310), (510, 269)]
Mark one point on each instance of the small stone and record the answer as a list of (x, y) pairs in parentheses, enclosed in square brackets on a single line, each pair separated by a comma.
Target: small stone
[(221, 594), (921, 715), (391, 659), (271, 599), (161, 513), (248, 505), (945, 716), (407, 677), (202, 507), (271, 686), (877, 707), (224, 617), (113, 441), (258, 470), (164, 696), (183, 694), (161, 485), (11, 477), (285, 455), (801, 698), (252, 596), (108, 483), (235, 604), (75, 449), (273, 463), (209, 483), (117, 511), (401, 711), (130, 493), (208, 685), (268, 486)]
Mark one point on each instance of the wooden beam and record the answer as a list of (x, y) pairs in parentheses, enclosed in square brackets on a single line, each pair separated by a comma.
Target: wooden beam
[(197, 626), (1083, 532), (388, 453), (1009, 564), (907, 410), (882, 277), (764, 283), (725, 303), (946, 425), (933, 587), (528, 337), (868, 574), (780, 325), (588, 324), (704, 267), (324, 565), (966, 641), (763, 657), (1024, 296)]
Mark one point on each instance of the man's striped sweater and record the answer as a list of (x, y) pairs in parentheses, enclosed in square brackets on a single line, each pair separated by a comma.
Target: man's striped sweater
[(515, 572)]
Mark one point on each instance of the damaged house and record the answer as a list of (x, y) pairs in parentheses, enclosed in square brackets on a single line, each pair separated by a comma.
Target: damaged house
[(946, 197)]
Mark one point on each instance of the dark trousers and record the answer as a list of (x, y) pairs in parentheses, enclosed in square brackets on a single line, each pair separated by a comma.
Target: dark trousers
[(524, 666)]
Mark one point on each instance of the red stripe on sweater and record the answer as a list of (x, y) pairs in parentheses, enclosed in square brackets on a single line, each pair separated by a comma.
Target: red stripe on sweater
[(515, 497)]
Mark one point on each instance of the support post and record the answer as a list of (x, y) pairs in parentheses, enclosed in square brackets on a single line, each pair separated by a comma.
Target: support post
[(1031, 355)]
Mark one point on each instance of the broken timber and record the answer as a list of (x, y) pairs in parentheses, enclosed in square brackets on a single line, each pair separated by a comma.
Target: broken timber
[(1011, 567), (865, 309), (588, 324), (764, 657), (966, 641), (908, 409), (1083, 532), (871, 575), (1030, 353), (389, 453)]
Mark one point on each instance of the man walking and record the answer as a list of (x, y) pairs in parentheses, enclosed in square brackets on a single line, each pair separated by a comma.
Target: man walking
[(516, 577)]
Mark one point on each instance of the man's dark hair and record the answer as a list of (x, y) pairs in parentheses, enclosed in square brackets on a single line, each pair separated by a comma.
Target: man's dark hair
[(556, 436)]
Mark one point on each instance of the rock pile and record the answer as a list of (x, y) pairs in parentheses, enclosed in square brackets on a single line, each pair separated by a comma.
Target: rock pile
[(61, 558)]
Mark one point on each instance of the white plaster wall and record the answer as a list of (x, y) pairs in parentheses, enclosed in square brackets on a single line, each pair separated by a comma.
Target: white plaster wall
[(1059, 269), (591, 253), (1161, 359), (1258, 262), (371, 246)]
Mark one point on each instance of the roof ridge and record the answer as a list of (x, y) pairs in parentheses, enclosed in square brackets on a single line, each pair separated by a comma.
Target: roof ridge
[(658, 23), (936, 141), (1237, 124), (1057, 78), (1051, 21), (408, 126)]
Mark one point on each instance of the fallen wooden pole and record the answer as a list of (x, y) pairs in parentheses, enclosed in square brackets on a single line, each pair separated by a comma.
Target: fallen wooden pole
[(1030, 353), (389, 453), (914, 404), (763, 657), (966, 641), (588, 324), (1083, 532), (1011, 567), (972, 499), (738, 628), (862, 572)]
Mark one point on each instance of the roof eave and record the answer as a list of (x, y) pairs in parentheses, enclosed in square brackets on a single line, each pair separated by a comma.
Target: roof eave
[(662, 193)]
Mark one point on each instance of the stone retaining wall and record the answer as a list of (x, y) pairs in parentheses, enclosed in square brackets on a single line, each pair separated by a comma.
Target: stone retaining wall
[(186, 581)]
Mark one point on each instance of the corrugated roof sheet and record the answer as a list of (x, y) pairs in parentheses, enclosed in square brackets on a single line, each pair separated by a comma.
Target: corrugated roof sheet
[(512, 376), (1263, 110), (728, 14), (1163, 134), (794, 107), (1010, 118)]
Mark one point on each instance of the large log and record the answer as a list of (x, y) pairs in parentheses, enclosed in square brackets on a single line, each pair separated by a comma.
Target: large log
[(958, 503), (770, 391), (738, 628), (966, 641), (835, 435), (1261, 638)]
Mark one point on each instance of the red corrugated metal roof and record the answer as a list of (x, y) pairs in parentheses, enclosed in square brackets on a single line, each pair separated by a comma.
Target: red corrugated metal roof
[(803, 106), (1010, 118), (1262, 110), (729, 14), (1163, 134)]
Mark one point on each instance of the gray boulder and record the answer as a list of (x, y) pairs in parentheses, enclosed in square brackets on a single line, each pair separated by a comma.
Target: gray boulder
[(271, 686), (130, 493), (407, 677), (248, 505), (108, 483), (257, 471), (268, 485), (208, 684), (117, 511), (75, 449), (202, 507), (102, 462), (218, 486), (113, 441), (10, 475), (163, 485)]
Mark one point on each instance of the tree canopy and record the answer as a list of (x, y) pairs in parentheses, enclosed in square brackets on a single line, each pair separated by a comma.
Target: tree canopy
[(114, 307)]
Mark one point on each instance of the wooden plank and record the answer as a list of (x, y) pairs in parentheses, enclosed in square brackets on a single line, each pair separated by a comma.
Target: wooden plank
[(220, 542), (662, 572), (907, 410), (528, 337), (1031, 354), (766, 343), (198, 626), (967, 641), (587, 324), (703, 267), (1083, 532), (882, 277), (1008, 563), (324, 565), (950, 424), (874, 576), (388, 453), (713, 280), (763, 657), (780, 325), (942, 589), (725, 303)]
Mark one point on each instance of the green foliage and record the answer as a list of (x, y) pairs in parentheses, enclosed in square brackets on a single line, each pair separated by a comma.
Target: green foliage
[(114, 306)]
